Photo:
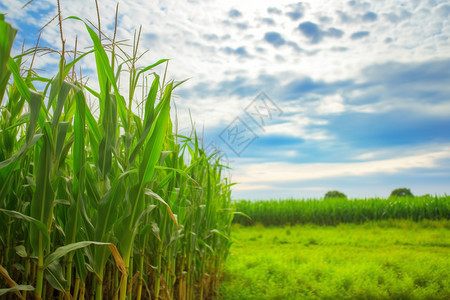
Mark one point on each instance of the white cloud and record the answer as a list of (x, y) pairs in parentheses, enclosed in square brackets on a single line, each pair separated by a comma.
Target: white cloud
[(331, 105), (253, 187), (178, 22), (297, 126), (283, 172)]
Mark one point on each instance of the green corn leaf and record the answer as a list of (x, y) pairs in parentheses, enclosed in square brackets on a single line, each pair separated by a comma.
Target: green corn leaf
[(19, 81), (153, 147), (7, 165), (42, 202), (150, 103), (181, 172), (55, 276), (146, 69), (35, 107), (18, 107), (54, 85), (94, 135), (7, 35), (47, 129), (180, 83), (138, 125), (63, 250), (39, 225), (148, 118), (94, 93), (69, 110), (104, 158), (79, 153), (108, 205), (108, 140), (64, 152), (92, 187), (149, 192), (137, 202), (152, 66), (69, 65), (63, 92), (15, 288), (10, 164), (78, 166), (80, 265), (63, 128), (105, 70)]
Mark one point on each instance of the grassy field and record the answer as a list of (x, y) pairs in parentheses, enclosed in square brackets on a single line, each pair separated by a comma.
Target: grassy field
[(390, 259)]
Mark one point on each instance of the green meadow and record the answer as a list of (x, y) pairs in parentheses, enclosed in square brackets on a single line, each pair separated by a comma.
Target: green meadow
[(390, 259)]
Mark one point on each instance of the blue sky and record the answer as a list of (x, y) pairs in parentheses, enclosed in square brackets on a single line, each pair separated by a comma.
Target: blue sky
[(301, 97)]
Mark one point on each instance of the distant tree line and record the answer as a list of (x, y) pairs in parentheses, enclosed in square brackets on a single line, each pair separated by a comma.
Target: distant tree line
[(399, 192)]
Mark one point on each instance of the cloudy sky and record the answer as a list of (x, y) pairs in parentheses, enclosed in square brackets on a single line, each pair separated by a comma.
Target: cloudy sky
[(300, 97)]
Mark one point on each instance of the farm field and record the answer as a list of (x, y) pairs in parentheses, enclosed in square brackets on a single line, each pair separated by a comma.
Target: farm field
[(390, 259)]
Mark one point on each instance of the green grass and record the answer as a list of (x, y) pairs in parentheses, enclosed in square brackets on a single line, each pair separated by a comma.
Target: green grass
[(341, 210), (391, 259)]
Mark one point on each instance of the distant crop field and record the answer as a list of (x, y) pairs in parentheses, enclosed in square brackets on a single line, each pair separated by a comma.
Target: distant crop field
[(341, 210), (390, 259)]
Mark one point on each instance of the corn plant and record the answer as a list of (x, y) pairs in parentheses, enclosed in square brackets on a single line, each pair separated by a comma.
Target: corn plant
[(111, 204)]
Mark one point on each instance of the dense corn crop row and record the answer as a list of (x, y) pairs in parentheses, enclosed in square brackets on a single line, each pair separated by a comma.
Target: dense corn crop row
[(341, 210), (108, 203)]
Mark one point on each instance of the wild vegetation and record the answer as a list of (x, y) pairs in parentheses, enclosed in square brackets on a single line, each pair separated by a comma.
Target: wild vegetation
[(389, 259), (333, 211), (103, 200)]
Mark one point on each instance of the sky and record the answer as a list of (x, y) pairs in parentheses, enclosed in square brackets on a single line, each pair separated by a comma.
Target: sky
[(299, 97)]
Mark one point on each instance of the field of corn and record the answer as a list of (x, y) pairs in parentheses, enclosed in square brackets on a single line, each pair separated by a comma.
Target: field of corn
[(103, 201), (341, 210)]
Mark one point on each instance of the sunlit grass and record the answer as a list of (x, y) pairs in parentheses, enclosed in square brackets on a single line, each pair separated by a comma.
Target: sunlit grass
[(380, 260)]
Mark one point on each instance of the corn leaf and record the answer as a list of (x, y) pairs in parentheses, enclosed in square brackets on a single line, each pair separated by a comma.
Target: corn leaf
[(153, 147), (42, 202), (7, 35), (39, 225), (148, 117), (16, 288), (63, 92), (19, 81), (55, 276)]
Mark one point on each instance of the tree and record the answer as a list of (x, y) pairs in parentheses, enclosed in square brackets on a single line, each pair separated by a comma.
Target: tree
[(401, 192), (334, 194)]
